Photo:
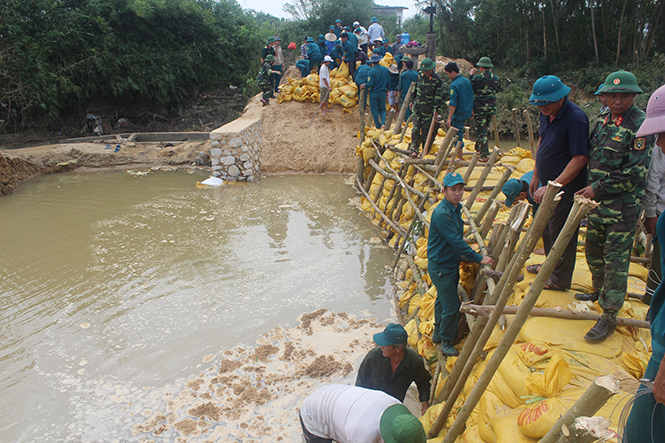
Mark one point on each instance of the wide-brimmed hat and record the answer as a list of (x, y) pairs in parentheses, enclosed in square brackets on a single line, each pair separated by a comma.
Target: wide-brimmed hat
[(393, 69), (426, 65), (621, 81), (331, 37), (547, 90), (655, 121), (511, 190), (453, 179), (399, 425), (393, 334), (376, 58), (485, 62), (373, 20)]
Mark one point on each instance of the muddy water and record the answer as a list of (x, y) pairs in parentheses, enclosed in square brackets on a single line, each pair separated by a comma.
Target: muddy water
[(117, 291)]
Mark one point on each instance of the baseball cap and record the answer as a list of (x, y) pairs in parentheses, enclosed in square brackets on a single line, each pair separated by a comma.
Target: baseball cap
[(327, 59), (453, 179), (356, 23), (399, 425), (394, 334), (511, 190)]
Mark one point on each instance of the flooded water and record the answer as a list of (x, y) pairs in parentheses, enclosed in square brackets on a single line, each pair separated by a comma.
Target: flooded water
[(115, 290)]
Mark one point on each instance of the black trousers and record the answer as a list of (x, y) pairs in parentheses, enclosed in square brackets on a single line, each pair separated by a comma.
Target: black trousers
[(563, 273)]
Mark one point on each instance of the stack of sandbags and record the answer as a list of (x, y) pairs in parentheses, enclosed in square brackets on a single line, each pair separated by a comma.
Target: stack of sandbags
[(344, 91)]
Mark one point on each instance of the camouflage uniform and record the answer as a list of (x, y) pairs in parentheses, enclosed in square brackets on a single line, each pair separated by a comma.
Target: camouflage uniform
[(618, 166), (485, 86), (429, 98), (263, 79)]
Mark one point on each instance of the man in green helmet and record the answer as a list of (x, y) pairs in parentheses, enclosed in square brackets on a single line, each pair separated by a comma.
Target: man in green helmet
[(263, 79), (618, 166), (485, 86), (428, 99)]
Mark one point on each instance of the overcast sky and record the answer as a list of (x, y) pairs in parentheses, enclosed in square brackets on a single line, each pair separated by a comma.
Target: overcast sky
[(275, 7)]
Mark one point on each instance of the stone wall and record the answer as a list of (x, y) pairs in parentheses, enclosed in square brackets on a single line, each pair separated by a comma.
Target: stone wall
[(235, 150)]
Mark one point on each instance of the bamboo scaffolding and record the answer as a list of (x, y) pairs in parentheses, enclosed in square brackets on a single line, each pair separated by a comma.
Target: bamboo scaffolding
[(596, 395), (581, 207), (486, 311), (481, 180), (470, 166), (499, 185), (483, 328), (390, 223), (489, 218), (445, 147), (406, 125)]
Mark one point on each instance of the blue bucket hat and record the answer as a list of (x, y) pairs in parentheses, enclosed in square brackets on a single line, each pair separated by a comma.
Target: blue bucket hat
[(338, 21), (374, 20), (511, 190), (599, 88), (310, 40), (547, 90), (376, 58), (331, 27), (394, 334), (452, 179), (321, 38)]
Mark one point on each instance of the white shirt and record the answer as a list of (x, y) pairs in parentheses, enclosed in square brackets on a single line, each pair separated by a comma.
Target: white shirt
[(324, 73), (375, 31), (347, 414), (362, 36)]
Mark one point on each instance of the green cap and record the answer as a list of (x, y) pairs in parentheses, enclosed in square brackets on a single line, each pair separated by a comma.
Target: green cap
[(270, 40), (621, 81), (511, 190), (485, 62), (427, 65), (269, 58), (399, 425), (452, 179)]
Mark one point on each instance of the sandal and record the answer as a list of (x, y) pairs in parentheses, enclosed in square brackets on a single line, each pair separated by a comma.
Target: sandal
[(552, 287), (534, 269)]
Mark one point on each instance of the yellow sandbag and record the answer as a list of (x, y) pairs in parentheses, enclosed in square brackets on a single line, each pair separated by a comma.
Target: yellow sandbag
[(430, 417), (333, 73), (283, 97), (342, 71), (387, 60), (347, 102), (639, 271), (426, 349), (505, 430), (411, 331), (525, 165), (298, 97), (365, 204), (510, 160)]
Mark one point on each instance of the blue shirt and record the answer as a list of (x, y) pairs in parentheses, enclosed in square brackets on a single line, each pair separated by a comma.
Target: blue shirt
[(445, 244), (349, 52), (461, 96), (560, 139), (657, 311), (406, 78), (377, 80), (353, 40), (361, 74), (313, 52)]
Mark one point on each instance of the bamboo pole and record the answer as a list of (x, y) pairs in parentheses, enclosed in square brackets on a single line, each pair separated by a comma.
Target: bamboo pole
[(587, 430), (581, 207), (596, 395), (361, 135), (502, 181), (532, 140), (406, 125), (486, 311), (496, 132), (403, 109), (451, 163), (483, 328), (469, 168), (393, 193), (517, 128), (488, 220), (430, 134), (390, 223), (481, 180), (445, 146)]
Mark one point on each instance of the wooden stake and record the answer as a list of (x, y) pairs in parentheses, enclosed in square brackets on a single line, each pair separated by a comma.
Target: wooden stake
[(403, 109), (430, 134), (517, 128), (496, 132), (486, 311), (389, 118), (469, 168), (502, 181), (581, 207), (596, 395), (532, 140), (488, 220), (406, 125), (445, 147), (483, 176)]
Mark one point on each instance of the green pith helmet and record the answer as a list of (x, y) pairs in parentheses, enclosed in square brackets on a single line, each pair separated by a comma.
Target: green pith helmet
[(270, 58), (427, 65), (270, 40), (485, 62), (599, 88), (621, 81)]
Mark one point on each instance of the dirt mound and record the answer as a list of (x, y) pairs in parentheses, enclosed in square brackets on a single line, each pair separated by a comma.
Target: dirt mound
[(463, 64), (289, 146)]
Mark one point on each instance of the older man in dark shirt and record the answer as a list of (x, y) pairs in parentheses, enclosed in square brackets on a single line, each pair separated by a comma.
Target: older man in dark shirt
[(392, 367), (563, 151)]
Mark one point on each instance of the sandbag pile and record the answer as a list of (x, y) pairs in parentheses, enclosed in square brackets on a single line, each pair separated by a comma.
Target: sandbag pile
[(550, 365), (344, 91)]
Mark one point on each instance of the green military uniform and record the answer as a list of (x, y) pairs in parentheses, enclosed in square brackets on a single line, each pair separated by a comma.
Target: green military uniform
[(429, 98), (263, 78), (485, 86), (618, 166)]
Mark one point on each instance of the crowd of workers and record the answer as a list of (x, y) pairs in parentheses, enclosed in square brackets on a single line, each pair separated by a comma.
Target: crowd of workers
[(609, 161)]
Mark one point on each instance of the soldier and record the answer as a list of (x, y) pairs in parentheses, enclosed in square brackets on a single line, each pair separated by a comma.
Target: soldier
[(460, 107), (349, 53), (429, 98), (485, 86), (264, 79), (407, 77), (268, 49), (618, 165)]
